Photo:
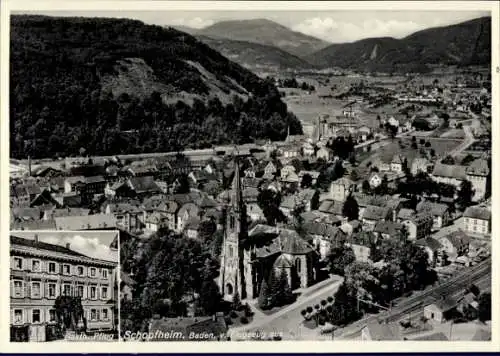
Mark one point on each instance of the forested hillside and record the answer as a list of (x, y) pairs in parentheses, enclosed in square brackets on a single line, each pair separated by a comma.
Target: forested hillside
[(114, 86)]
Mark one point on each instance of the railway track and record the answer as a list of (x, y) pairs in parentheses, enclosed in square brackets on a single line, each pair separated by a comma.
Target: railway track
[(411, 304)]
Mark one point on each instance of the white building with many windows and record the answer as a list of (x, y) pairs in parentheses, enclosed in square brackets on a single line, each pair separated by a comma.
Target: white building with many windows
[(40, 272)]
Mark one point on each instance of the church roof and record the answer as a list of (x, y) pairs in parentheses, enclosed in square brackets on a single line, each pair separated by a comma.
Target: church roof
[(292, 243)]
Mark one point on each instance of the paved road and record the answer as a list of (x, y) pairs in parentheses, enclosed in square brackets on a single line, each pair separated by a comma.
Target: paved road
[(288, 321)]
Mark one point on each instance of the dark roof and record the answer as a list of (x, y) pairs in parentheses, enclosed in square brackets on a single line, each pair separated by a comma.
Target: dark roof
[(373, 212), (450, 171), (457, 238), (143, 184), (430, 242), (477, 213), (445, 304), (388, 227), (433, 208), (94, 179), (14, 240), (292, 243)]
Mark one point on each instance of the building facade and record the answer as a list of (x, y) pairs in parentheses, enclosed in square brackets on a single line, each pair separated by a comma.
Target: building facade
[(41, 272)]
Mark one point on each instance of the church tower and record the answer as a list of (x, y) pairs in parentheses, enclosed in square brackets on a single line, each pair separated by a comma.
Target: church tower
[(231, 277)]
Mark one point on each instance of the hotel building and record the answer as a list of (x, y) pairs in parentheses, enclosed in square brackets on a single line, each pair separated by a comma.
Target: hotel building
[(40, 272)]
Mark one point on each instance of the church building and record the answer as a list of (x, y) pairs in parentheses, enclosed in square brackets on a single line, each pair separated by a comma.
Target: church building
[(248, 257)]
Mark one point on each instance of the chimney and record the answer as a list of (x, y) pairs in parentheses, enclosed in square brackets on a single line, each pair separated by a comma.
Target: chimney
[(36, 237), (68, 245)]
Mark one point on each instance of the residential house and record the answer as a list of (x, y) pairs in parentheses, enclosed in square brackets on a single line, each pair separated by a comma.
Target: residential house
[(441, 310), (405, 214), (74, 184), (449, 174), (118, 189), (332, 208), (191, 227), (388, 230), (128, 217), (156, 221), (432, 247), (93, 186), (373, 214), (290, 151), (325, 153), (324, 237), (351, 227), (186, 212), (419, 226), (341, 188), (313, 174), (361, 244), (420, 165), (271, 169), (51, 214), (383, 163), (455, 244), (398, 164), (478, 173), (143, 185), (308, 149), (477, 221)]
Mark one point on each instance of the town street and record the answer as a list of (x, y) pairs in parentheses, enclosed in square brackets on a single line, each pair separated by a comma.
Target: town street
[(288, 321)]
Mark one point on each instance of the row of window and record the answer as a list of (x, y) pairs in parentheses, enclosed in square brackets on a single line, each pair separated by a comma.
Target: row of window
[(476, 221), (52, 290), (21, 316), (20, 263)]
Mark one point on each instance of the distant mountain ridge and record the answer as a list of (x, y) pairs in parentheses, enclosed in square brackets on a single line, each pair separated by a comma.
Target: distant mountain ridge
[(265, 32), (466, 43)]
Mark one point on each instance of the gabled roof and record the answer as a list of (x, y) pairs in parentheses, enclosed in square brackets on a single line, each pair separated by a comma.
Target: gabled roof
[(94, 179), (449, 171), (478, 167), (143, 184), (373, 212), (388, 227), (292, 243), (429, 242), (434, 208), (457, 238), (477, 213)]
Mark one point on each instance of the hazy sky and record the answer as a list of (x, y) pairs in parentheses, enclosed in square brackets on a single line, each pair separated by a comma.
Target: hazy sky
[(333, 26), (90, 243)]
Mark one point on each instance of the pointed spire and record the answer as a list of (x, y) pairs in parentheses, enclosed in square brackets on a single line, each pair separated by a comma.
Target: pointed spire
[(236, 193)]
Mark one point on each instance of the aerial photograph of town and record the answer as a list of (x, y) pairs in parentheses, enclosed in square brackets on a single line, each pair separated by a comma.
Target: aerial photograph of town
[(269, 175)]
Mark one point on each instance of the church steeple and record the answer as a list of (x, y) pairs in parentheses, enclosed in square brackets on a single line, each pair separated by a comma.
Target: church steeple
[(236, 198)]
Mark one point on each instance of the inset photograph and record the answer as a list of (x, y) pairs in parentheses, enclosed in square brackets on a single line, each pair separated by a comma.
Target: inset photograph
[(63, 286)]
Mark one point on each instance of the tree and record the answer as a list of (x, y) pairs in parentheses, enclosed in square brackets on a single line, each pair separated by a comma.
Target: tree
[(264, 295), (206, 229), (366, 187), (448, 160), (354, 175), (284, 295), (269, 201), (465, 194), (350, 210), (339, 258), (69, 312), (485, 307), (307, 181), (345, 305), (183, 186)]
